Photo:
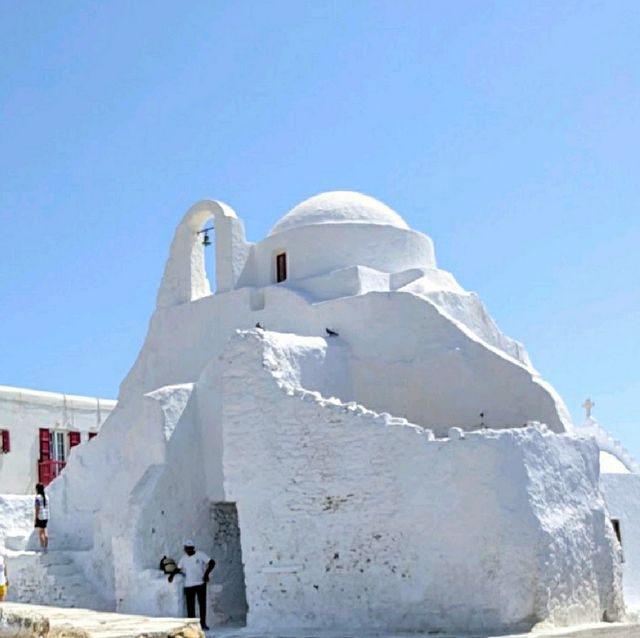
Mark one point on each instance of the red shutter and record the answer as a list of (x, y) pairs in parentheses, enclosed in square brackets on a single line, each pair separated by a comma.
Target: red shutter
[(44, 467), (6, 442), (45, 446), (74, 439), (92, 435), (44, 473)]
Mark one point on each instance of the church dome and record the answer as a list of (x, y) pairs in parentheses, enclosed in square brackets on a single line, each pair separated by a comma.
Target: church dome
[(338, 207)]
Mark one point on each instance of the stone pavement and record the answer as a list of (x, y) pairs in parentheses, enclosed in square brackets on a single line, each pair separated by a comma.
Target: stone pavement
[(18, 620), (600, 630)]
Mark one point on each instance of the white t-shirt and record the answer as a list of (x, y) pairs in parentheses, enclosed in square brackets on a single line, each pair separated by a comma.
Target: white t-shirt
[(3, 576), (193, 568), (43, 511)]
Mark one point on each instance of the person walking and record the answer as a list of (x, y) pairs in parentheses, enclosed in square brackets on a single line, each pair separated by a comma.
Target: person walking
[(41, 506), (195, 566)]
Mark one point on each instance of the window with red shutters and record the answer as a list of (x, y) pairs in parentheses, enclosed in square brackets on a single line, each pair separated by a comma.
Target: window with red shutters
[(74, 439), (45, 470), (5, 442), (45, 444)]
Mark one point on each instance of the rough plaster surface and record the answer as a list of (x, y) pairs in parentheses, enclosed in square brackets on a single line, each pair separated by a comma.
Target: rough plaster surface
[(354, 519), (231, 602), (590, 428), (622, 495), (16, 521), (35, 621), (348, 517), (52, 578)]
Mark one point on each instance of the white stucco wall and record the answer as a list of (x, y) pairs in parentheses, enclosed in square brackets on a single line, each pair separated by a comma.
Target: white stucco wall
[(23, 412), (407, 356), (622, 495), (356, 520), (204, 420), (316, 250), (16, 521)]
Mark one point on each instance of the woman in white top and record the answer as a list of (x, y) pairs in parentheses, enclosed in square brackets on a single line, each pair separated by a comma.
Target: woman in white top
[(41, 515), (4, 583)]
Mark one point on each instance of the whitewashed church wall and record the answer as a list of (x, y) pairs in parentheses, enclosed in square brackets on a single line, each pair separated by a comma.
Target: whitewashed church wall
[(622, 495), (344, 282), (316, 250), (427, 373), (23, 412), (438, 374), (326, 368), (89, 508), (168, 504), (467, 308), (355, 520), (16, 522)]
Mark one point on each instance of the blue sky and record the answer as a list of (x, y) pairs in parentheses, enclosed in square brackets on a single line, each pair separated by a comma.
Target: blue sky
[(507, 131)]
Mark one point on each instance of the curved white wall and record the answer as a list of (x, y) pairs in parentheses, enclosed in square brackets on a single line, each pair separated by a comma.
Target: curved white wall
[(315, 250)]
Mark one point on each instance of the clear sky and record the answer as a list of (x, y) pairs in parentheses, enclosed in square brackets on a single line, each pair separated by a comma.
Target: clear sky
[(507, 131)]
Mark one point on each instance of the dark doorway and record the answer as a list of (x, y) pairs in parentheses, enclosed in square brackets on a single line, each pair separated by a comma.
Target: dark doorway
[(230, 603), (281, 267), (615, 522)]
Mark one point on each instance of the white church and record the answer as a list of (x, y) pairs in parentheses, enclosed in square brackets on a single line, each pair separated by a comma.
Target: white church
[(351, 437)]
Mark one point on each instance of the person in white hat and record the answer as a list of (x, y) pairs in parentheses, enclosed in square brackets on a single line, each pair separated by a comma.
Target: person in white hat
[(195, 566)]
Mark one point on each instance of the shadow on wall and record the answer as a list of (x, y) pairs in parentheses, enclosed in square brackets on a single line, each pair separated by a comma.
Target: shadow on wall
[(230, 602)]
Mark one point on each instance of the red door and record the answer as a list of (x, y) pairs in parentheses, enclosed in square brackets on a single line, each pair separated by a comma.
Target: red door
[(44, 467), (74, 439)]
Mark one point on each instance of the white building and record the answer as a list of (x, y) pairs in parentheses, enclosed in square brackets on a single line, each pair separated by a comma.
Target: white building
[(348, 433), (38, 430), (620, 485)]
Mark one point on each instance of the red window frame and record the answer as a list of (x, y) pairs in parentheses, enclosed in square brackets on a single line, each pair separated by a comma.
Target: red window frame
[(74, 439), (48, 468)]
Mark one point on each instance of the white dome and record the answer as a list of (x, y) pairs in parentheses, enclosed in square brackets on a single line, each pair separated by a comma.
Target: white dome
[(338, 207)]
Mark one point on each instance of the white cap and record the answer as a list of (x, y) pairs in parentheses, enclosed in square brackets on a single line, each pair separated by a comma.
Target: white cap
[(188, 543)]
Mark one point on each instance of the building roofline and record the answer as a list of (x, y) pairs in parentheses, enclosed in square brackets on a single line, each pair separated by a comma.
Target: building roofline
[(10, 393)]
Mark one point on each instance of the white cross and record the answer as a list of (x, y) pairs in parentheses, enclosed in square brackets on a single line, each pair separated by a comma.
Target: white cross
[(588, 405)]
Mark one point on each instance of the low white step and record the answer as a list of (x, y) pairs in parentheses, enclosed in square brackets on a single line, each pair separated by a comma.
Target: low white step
[(51, 578)]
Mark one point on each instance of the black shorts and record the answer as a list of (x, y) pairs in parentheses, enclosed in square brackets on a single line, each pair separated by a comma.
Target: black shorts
[(41, 524)]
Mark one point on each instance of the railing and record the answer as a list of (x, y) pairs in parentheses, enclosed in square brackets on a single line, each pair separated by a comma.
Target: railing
[(48, 470)]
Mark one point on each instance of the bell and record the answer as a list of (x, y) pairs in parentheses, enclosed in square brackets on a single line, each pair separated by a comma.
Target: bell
[(206, 241)]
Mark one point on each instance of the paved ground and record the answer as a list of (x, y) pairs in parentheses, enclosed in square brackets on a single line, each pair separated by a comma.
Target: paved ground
[(18, 620), (601, 630)]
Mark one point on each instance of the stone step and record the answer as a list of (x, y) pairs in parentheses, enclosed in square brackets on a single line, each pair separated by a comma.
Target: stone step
[(52, 578)]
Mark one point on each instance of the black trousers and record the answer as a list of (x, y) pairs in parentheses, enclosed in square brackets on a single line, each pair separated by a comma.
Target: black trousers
[(190, 594)]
